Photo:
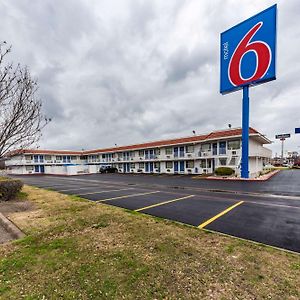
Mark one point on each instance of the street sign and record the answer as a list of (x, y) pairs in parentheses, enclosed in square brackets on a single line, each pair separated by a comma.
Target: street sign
[(248, 52), (297, 130), (282, 136)]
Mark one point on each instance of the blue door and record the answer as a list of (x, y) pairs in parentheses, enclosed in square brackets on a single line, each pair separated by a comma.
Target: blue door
[(151, 153), (146, 154), (181, 151), (126, 168), (151, 167), (37, 169), (175, 151), (182, 166), (175, 166), (147, 167), (42, 169)]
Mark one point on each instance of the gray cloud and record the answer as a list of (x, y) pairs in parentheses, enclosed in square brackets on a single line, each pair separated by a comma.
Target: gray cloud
[(130, 71)]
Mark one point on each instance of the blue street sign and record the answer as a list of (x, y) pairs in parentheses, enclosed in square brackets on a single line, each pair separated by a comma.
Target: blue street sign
[(297, 130), (248, 52)]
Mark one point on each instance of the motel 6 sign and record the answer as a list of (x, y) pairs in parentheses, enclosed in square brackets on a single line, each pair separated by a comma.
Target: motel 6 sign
[(248, 52)]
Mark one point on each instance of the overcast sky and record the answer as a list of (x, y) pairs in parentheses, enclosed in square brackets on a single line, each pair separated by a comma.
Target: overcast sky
[(121, 72)]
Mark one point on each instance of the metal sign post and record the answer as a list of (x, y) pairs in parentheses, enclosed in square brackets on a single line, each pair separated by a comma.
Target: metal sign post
[(247, 59), (282, 146), (282, 138), (245, 133)]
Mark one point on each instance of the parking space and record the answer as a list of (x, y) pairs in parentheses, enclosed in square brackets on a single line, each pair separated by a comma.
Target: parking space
[(273, 220), (276, 226), (193, 211)]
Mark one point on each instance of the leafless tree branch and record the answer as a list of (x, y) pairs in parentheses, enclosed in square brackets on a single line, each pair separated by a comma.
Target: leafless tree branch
[(21, 118)]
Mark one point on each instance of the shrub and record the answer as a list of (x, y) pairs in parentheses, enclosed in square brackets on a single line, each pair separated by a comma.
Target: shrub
[(9, 188), (224, 171)]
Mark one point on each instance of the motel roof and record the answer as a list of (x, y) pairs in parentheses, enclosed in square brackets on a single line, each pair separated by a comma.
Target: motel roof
[(215, 135)]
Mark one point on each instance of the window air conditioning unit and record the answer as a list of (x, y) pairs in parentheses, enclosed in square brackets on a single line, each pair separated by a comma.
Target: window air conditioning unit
[(168, 156), (168, 170), (189, 155), (233, 152), (189, 171)]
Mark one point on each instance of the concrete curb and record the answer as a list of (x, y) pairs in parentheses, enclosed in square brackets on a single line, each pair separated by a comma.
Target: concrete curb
[(265, 178), (10, 227)]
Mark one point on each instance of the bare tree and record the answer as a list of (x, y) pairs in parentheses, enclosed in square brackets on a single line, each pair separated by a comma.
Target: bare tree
[(21, 118)]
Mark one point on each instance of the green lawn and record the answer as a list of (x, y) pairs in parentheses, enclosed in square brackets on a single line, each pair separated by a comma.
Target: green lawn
[(76, 249)]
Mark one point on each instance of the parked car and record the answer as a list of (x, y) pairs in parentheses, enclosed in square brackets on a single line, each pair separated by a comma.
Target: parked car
[(108, 169)]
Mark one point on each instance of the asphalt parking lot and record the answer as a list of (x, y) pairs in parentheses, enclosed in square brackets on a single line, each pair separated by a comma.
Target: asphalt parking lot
[(259, 215)]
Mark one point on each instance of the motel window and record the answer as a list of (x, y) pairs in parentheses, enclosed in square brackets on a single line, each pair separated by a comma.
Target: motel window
[(169, 151), (28, 157), (190, 149), (29, 168), (233, 145), (222, 147), (156, 165), (103, 155), (169, 164), (190, 164), (132, 154), (120, 155), (157, 151), (81, 157), (58, 158), (132, 165), (141, 152), (141, 165), (73, 157), (222, 161), (233, 161), (205, 147), (203, 163), (48, 157)]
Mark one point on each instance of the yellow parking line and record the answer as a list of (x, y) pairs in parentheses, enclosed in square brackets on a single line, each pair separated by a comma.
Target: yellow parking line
[(106, 191), (127, 196), (165, 202), (82, 188), (219, 215)]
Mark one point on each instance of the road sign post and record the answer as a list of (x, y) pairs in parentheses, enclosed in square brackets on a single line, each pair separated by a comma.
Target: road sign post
[(282, 138), (248, 58)]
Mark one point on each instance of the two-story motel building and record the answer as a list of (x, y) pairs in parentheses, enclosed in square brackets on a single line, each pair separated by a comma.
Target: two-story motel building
[(196, 154)]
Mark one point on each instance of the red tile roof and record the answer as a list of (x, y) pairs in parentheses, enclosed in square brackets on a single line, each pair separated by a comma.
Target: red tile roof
[(185, 140), (196, 138)]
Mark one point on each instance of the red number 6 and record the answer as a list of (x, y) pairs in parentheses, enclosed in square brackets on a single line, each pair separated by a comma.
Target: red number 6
[(263, 58)]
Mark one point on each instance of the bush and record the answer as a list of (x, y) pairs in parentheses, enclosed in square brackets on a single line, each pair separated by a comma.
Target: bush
[(9, 188), (224, 171)]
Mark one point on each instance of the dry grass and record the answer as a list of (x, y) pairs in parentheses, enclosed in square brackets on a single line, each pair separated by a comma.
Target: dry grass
[(80, 250)]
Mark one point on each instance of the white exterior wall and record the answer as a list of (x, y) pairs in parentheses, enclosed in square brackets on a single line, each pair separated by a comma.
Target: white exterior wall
[(200, 157)]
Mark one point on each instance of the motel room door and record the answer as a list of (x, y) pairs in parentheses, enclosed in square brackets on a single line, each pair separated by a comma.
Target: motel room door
[(175, 166), (126, 168), (151, 167), (181, 166)]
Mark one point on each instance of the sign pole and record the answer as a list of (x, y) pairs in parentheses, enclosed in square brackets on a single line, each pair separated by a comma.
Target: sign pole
[(282, 145), (245, 133)]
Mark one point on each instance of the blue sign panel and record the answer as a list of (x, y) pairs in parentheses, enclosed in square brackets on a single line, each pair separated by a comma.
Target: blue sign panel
[(297, 130), (248, 52)]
